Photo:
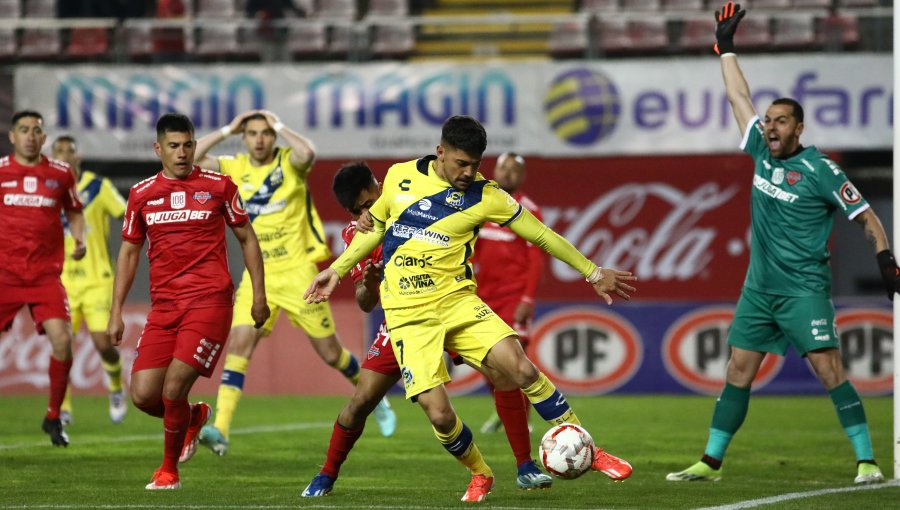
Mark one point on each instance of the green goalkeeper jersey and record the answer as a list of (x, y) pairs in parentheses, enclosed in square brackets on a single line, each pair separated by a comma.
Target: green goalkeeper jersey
[(792, 207)]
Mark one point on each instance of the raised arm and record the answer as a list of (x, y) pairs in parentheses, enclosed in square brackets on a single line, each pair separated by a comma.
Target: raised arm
[(877, 238), (126, 266), (206, 142), (253, 260), (302, 150), (736, 87)]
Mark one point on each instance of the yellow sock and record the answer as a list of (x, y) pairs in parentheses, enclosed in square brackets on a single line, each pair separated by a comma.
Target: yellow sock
[(460, 444), (348, 365), (114, 373), (230, 390), (67, 400), (549, 402)]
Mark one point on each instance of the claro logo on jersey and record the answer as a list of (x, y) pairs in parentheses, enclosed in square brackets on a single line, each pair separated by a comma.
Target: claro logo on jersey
[(421, 262), (160, 217), (695, 351), (866, 337), (585, 350)]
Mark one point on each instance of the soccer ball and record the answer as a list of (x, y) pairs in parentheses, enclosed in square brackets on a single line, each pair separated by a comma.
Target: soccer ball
[(567, 451)]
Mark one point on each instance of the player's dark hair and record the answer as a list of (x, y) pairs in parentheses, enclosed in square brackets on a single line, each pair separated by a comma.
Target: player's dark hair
[(798, 110), (255, 116), (351, 180), (64, 138), (464, 133), (174, 123), (21, 114)]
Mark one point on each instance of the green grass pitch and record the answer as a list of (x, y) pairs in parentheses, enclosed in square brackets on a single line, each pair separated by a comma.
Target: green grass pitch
[(787, 445)]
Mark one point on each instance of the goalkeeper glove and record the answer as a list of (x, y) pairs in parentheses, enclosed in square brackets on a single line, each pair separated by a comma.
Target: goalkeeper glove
[(726, 25), (890, 273)]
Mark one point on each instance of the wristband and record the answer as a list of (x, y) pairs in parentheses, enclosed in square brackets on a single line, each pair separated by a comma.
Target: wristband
[(278, 126), (226, 131), (595, 276)]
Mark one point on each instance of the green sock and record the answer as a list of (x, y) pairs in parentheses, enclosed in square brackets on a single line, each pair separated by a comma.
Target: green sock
[(729, 414), (853, 419)]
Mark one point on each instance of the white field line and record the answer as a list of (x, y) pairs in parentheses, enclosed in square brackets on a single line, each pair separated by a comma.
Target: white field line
[(753, 503), (262, 429), (241, 507)]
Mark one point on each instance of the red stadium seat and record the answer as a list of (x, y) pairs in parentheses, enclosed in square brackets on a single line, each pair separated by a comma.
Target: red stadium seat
[(699, 34), (306, 39), (88, 42), (794, 33), (753, 34), (396, 40), (599, 6), (39, 43), (569, 39)]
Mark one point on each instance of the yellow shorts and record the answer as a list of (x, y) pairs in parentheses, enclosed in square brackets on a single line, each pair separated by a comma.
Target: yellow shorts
[(284, 291), (90, 303), (459, 322)]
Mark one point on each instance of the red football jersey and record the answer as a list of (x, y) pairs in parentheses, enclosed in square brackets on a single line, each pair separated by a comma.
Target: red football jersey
[(357, 272), (184, 221), (507, 266), (30, 225)]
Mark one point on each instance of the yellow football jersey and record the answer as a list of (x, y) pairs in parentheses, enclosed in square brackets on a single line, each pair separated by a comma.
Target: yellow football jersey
[(281, 210), (101, 202)]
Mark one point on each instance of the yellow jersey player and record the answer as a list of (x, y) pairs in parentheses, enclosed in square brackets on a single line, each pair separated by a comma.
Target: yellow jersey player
[(428, 216), (273, 184), (89, 281)]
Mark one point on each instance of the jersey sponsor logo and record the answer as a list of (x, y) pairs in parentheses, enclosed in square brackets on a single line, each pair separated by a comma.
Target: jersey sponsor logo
[(794, 177), (866, 337), (424, 204), (416, 284), (51, 183), (695, 351), (401, 261), (778, 176), (177, 200), (408, 380), (30, 184), (819, 330), (158, 201), (206, 352), (160, 217), (404, 185), (202, 196), (257, 209), (421, 214), (849, 194), (404, 198), (455, 198), (22, 200), (420, 234), (585, 350), (9, 184), (773, 191)]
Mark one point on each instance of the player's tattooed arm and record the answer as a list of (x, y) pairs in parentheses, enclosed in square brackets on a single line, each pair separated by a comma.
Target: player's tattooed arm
[(873, 229)]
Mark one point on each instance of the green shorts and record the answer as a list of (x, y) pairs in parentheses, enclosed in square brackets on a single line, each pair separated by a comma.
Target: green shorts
[(769, 323)]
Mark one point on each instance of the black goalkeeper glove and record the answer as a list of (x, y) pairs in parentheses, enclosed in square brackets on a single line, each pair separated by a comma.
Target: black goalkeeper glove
[(726, 25), (890, 273)]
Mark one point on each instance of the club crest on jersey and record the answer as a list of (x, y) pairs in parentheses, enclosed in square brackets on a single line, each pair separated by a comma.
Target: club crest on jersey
[(51, 183), (849, 194), (29, 184), (202, 196), (177, 200), (455, 198), (778, 176), (794, 177)]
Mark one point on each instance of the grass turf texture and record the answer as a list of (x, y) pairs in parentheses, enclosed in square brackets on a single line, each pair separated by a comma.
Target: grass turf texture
[(787, 444)]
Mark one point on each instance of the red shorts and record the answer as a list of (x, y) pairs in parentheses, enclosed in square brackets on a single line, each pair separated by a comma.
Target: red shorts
[(381, 354), (45, 301), (506, 310), (195, 336)]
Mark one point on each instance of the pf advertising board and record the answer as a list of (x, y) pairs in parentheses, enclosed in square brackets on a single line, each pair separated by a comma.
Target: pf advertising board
[(554, 109)]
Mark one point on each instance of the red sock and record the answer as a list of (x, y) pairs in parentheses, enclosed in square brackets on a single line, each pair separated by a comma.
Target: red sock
[(59, 380), (513, 413), (175, 425), (158, 409), (342, 441)]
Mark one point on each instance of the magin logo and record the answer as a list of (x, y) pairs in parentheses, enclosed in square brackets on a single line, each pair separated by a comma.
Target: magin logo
[(582, 106)]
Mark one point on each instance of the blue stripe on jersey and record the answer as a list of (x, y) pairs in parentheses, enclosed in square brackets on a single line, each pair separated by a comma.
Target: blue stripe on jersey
[(461, 444), (438, 207), (87, 195), (263, 195)]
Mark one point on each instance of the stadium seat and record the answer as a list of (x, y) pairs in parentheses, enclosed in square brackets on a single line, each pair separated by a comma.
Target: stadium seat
[(682, 5), (39, 43), (396, 40), (754, 34), (811, 4), (388, 7), (844, 4), (88, 43), (569, 40), (599, 6), (340, 9), (698, 34), (838, 32), (307, 39), (215, 9), (220, 40), (138, 40), (621, 36), (640, 5), (340, 40), (771, 4), (39, 9), (8, 43), (794, 33), (11, 8)]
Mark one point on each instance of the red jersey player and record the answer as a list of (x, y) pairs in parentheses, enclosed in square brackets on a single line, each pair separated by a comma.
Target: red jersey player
[(507, 267), (182, 211), (356, 189), (35, 189)]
